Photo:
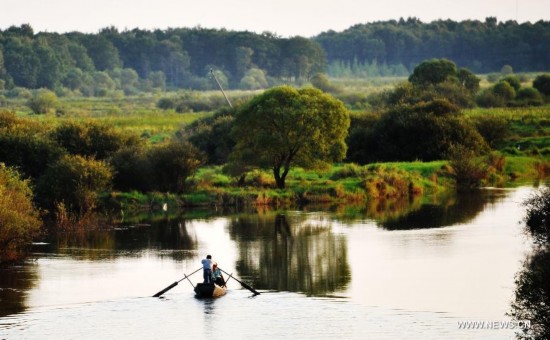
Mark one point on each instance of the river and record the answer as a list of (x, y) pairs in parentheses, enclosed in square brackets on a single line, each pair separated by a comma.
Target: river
[(417, 270)]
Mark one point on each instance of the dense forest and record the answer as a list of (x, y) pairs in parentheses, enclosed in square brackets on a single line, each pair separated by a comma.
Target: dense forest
[(482, 47), (141, 60)]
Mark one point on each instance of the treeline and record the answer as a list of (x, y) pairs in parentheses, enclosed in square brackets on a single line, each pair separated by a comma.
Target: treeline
[(145, 60), (142, 60), (482, 47)]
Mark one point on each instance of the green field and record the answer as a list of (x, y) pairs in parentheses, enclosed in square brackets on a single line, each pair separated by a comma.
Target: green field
[(526, 150)]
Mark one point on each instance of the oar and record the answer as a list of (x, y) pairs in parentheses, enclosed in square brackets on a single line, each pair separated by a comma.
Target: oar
[(242, 283), (176, 283)]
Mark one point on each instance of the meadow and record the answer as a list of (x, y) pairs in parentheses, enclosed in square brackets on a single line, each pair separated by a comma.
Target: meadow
[(525, 150)]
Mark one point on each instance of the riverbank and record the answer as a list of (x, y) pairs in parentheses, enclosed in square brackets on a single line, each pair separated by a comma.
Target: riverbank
[(341, 184)]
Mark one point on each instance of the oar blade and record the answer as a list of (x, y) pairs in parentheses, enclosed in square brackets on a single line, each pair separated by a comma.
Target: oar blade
[(249, 288), (165, 289)]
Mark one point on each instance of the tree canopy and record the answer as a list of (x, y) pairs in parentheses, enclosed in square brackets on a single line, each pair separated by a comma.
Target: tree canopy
[(481, 46), (285, 126), (182, 57), (176, 57)]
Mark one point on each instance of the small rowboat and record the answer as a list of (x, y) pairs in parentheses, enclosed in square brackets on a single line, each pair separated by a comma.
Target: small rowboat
[(209, 290)]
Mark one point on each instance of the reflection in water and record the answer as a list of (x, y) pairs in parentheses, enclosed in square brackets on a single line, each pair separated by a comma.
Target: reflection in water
[(461, 208), (289, 252), (169, 236), (532, 296), (284, 251), (14, 284)]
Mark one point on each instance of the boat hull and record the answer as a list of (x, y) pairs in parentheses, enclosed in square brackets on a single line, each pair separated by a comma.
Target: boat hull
[(209, 290)]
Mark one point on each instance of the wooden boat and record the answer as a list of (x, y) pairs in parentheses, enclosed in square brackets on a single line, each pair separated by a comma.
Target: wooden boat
[(209, 290)]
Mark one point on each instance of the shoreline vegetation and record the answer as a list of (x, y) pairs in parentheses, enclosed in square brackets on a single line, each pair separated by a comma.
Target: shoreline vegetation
[(343, 184), (524, 154), (87, 162)]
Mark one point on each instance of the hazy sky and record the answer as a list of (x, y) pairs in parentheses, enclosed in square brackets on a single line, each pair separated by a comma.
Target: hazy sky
[(283, 17)]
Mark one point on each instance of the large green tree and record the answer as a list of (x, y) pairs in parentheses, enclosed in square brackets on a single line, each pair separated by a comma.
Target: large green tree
[(284, 126)]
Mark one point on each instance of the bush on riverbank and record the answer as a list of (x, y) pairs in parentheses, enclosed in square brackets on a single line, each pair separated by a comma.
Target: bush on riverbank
[(19, 220)]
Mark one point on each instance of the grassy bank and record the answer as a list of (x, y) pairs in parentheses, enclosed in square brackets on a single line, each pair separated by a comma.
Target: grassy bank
[(343, 183)]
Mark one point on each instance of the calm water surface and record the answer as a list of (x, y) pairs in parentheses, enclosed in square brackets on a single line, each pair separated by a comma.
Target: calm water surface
[(392, 271)]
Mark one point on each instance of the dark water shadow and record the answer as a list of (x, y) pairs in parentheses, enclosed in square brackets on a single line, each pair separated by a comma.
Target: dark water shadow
[(456, 209), (169, 237), (15, 282), (532, 296)]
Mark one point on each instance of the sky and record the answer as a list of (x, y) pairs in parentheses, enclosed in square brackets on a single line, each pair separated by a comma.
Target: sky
[(285, 18)]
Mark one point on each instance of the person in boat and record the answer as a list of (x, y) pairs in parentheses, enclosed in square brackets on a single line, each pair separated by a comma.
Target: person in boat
[(207, 269), (217, 275)]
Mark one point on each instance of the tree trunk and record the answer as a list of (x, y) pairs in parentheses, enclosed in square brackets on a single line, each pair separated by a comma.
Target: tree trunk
[(279, 179)]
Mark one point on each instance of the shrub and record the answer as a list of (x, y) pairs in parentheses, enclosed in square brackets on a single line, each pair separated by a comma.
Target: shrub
[(542, 84), (451, 90), (8, 119), (212, 136), (76, 182), (320, 81), (432, 72), (504, 90), (468, 168), (26, 150), (387, 183), (493, 128), (395, 137), (132, 170), (19, 220), (92, 139), (529, 96), (173, 163), (43, 101), (469, 80), (513, 81), (487, 98), (166, 103), (258, 178), (348, 170)]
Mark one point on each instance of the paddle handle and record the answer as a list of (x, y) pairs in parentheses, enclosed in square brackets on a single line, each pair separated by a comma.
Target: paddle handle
[(176, 283)]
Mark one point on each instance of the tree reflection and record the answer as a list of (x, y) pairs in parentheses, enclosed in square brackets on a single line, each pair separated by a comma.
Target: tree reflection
[(168, 236), (462, 208), (15, 282), (532, 296), (289, 252)]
